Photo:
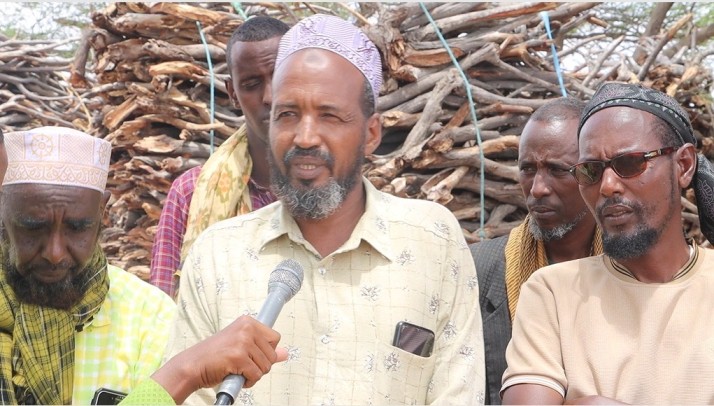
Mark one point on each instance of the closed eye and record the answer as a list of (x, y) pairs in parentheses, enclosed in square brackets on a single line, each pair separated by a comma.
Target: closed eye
[(559, 172), (79, 225), (250, 84)]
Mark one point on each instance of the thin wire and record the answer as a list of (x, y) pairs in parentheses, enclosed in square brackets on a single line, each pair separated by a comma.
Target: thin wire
[(238, 8), (474, 119), (213, 84), (556, 62)]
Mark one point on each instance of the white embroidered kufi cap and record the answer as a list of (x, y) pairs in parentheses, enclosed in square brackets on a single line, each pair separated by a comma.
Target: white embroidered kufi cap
[(57, 156)]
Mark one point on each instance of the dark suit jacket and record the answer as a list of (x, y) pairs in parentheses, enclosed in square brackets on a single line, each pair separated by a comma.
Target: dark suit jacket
[(490, 263)]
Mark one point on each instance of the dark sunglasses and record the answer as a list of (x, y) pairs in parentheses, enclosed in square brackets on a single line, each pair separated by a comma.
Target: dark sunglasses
[(626, 165)]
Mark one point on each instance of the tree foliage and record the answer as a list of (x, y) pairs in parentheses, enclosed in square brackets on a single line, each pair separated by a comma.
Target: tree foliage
[(46, 20)]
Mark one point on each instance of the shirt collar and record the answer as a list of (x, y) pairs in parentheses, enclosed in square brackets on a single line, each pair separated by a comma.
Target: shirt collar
[(373, 227)]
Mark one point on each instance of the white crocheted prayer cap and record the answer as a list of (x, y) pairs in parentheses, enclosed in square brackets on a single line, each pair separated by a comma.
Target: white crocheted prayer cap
[(57, 156), (339, 36)]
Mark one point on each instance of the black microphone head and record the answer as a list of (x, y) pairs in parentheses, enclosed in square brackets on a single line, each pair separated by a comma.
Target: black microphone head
[(287, 275)]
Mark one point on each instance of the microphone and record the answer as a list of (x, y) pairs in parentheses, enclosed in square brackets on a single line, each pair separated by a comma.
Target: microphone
[(284, 283)]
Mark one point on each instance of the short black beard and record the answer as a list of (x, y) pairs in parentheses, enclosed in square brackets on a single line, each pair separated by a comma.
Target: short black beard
[(636, 244), (313, 203), (57, 295), (630, 246), (556, 233)]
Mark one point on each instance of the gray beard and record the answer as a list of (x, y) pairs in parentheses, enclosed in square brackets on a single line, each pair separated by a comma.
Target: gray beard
[(313, 203), (556, 233)]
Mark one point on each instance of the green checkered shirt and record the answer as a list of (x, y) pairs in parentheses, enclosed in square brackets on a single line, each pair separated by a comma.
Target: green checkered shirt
[(125, 341)]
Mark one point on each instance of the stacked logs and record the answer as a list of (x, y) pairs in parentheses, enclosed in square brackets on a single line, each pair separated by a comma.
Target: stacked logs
[(151, 83), (33, 89), (503, 53), (149, 89)]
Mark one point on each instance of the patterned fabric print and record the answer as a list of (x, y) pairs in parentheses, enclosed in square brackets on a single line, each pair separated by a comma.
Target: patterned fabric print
[(38, 344), (641, 98), (704, 192), (406, 260), (148, 392), (525, 255), (166, 251), (125, 341), (666, 108), (57, 156), (221, 189), (339, 36)]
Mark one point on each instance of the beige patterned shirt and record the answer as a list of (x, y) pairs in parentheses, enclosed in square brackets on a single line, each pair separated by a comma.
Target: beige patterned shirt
[(406, 260)]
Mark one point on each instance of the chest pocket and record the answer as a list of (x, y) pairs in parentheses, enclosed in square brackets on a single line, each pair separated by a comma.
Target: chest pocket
[(400, 376)]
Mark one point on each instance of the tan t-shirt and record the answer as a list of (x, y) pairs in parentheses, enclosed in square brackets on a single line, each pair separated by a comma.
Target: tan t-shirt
[(584, 328)]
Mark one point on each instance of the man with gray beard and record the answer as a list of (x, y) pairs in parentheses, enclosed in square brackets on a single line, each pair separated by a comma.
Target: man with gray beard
[(387, 310), (558, 227), (71, 323), (632, 325)]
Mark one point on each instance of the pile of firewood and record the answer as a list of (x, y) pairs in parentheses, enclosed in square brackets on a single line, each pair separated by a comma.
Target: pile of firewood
[(145, 74), (33, 89), (504, 52)]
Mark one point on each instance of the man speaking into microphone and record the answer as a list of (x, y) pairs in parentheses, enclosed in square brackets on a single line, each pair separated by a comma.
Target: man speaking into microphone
[(388, 309)]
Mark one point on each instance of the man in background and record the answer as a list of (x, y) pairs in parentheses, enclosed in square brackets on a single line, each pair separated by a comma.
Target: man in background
[(558, 228), (632, 325), (235, 179), (71, 323)]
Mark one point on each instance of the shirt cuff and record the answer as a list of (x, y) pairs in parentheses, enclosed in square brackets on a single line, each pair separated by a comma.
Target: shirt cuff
[(533, 379), (148, 392)]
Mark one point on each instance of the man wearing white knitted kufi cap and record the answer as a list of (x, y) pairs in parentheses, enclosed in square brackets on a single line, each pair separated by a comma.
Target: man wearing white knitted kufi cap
[(71, 322), (374, 263)]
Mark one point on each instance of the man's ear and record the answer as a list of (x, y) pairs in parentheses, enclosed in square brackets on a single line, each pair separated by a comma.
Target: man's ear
[(231, 93), (686, 157), (374, 133)]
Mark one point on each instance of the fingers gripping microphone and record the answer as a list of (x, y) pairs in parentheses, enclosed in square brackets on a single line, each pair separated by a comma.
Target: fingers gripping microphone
[(284, 283)]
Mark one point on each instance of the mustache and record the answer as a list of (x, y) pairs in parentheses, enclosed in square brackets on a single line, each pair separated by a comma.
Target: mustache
[(538, 202), (310, 152), (617, 200), (64, 264)]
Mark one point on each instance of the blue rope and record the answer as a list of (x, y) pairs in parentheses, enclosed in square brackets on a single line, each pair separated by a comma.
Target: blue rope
[(556, 62), (213, 83), (237, 7), (467, 85)]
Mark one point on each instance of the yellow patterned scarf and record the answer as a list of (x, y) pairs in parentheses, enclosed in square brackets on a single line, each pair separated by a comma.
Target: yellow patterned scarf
[(37, 343), (525, 255), (221, 189)]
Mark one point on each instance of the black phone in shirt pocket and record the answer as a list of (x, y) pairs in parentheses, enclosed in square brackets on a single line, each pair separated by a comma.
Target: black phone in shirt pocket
[(414, 339)]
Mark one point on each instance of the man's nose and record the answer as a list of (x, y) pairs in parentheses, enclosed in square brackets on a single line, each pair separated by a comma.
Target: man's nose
[(306, 133), (540, 187), (55, 250), (268, 93), (610, 183)]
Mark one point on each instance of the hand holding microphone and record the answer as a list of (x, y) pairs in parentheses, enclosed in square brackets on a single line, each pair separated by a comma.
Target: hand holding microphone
[(284, 283), (246, 346)]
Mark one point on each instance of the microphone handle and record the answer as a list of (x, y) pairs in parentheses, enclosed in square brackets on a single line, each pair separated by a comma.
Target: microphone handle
[(233, 383)]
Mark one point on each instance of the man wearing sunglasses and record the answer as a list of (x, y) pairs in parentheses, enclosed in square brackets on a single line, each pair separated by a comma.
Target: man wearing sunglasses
[(558, 228), (635, 324)]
